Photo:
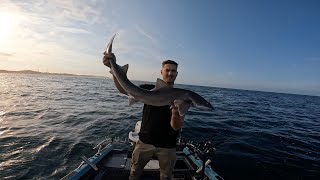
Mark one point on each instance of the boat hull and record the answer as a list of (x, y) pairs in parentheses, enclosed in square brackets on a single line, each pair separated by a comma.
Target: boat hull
[(115, 164)]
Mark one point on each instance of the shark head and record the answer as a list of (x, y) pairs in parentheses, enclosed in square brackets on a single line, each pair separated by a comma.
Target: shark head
[(205, 106), (199, 102)]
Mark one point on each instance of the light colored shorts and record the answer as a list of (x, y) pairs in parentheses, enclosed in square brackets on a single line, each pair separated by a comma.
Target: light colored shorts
[(143, 153)]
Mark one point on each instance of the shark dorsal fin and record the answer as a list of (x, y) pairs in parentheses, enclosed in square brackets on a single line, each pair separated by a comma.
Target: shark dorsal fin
[(123, 68), (160, 84)]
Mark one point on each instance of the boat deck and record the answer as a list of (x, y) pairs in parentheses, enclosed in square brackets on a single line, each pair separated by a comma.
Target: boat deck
[(117, 166)]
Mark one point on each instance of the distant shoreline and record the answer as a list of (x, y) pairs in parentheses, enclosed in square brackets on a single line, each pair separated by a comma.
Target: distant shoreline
[(42, 73)]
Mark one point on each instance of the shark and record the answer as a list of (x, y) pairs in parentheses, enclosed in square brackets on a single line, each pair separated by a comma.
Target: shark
[(161, 95)]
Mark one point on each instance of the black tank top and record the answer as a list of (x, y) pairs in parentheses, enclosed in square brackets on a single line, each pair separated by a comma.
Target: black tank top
[(156, 128)]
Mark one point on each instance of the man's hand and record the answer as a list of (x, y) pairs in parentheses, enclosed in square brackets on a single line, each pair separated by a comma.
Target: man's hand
[(176, 120), (174, 110), (107, 58)]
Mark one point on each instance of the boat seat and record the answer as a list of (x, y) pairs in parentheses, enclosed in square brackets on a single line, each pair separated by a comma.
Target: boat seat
[(116, 162)]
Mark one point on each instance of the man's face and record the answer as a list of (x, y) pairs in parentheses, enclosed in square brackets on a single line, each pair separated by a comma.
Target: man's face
[(169, 73)]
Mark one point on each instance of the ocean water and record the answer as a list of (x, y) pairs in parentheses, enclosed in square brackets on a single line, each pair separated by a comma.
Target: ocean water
[(47, 122)]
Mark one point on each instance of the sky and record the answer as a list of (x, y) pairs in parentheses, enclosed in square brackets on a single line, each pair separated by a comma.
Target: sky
[(256, 45)]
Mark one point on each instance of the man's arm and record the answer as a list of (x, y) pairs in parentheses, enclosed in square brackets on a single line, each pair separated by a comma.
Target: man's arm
[(106, 61), (176, 120)]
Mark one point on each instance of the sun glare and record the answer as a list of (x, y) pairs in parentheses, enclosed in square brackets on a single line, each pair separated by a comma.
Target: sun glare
[(8, 23)]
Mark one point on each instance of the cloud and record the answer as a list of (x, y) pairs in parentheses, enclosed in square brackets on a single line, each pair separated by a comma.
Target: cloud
[(144, 33), (65, 35), (5, 54), (77, 10), (60, 12), (47, 23), (136, 46), (73, 30)]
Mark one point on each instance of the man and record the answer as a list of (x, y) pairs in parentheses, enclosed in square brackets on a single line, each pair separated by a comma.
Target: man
[(160, 128)]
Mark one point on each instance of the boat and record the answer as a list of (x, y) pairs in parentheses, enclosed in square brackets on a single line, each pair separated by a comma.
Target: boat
[(114, 163)]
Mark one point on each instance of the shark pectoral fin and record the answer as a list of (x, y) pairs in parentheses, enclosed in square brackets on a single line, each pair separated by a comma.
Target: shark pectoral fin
[(132, 100), (183, 106), (125, 68)]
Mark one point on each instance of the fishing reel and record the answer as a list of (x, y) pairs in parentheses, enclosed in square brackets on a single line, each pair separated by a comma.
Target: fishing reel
[(206, 147), (202, 148), (204, 151)]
